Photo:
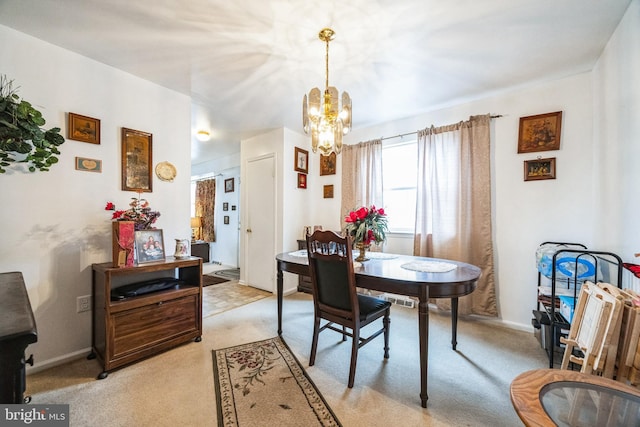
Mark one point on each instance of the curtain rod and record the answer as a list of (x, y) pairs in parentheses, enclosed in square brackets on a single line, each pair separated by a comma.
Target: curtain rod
[(402, 135)]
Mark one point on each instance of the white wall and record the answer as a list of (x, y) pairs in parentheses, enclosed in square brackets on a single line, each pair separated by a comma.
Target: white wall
[(616, 81), (54, 225)]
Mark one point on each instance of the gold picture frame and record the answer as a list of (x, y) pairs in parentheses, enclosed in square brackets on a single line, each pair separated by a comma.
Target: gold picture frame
[(540, 132), (83, 128), (301, 160), (538, 169), (328, 164), (137, 155), (327, 191)]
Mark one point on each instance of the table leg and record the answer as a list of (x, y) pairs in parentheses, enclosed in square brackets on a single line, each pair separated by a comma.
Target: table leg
[(423, 334), (279, 290), (454, 322)]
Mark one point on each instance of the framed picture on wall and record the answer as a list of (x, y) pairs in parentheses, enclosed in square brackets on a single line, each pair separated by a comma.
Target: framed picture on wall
[(327, 191), (301, 158), (535, 170), (136, 160), (302, 180), (540, 133), (228, 185), (83, 128), (225, 206), (328, 164), (149, 246), (226, 219)]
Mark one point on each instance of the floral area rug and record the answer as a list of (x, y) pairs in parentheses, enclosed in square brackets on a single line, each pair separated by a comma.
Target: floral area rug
[(262, 383)]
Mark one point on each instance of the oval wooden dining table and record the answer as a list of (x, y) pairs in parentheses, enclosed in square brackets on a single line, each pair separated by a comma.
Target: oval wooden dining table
[(388, 273)]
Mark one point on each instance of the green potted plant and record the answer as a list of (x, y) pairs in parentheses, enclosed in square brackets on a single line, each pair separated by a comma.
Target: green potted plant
[(22, 139)]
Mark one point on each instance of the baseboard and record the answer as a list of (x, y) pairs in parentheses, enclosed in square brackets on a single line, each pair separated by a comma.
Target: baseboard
[(56, 361)]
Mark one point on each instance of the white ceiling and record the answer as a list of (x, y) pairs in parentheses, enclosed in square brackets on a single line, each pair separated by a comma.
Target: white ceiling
[(247, 63)]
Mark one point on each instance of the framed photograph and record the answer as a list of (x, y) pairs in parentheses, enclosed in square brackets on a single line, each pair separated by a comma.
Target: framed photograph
[(327, 191), (83, 128), (302, 180), (228, 185), (535, 170), (226, 219), (88, 165), (540, 133), (225, 206), (233, 207), (149, 246), (301, 159), (136, 161), (328, 164)]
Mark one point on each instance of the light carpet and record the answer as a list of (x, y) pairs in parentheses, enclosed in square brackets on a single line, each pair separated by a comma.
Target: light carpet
[(262, 381)]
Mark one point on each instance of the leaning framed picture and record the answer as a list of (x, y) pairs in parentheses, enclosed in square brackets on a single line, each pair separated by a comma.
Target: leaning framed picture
[(301, 159), (540, 133), (535, 170), (83, 128), (137, 153), (149, 246)]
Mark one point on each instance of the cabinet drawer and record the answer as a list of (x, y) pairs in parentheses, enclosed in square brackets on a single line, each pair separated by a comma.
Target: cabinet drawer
[(146, 326)]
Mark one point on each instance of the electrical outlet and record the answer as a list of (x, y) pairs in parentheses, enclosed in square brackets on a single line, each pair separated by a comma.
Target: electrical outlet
[(83, 303)]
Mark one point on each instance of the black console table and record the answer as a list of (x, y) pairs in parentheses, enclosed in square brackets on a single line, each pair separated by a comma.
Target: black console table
[(17, 331)]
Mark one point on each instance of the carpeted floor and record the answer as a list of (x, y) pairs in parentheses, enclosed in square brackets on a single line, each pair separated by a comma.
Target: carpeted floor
[(467, 387)]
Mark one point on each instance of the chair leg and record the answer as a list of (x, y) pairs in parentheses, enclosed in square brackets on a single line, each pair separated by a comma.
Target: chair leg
[(386, 322), (355, 344), (314, 341), (344, 333)]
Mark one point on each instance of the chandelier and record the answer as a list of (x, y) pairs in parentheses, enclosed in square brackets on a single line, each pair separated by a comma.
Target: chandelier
[(321, 113)]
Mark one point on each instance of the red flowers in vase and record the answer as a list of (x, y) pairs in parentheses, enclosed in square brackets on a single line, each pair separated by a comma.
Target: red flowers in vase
[(367, 225)]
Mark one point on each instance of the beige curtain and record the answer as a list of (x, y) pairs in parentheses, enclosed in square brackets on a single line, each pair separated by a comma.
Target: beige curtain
[(361, 176), (205, 204), (453, 209)]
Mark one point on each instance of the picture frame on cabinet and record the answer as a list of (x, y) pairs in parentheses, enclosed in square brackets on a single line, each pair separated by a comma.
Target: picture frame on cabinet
[(149, 246), (137, 154)]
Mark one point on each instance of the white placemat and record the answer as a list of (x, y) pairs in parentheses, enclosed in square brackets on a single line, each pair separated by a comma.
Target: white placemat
[(301, 253), (430, 266)]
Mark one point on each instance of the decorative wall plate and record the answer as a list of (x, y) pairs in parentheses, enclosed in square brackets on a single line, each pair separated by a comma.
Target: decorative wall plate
[(165, 171)]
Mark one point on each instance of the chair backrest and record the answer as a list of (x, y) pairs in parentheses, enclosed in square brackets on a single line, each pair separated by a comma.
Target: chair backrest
[(332, 275)]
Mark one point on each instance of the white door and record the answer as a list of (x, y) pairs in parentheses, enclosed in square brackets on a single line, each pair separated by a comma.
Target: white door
[(261, 223)]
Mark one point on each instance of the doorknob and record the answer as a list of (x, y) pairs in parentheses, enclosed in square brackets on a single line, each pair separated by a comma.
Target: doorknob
[(248, 230)]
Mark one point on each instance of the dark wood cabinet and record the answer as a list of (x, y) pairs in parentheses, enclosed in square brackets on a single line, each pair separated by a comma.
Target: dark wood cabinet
[(304, 282), (200, 249), (125, 331)]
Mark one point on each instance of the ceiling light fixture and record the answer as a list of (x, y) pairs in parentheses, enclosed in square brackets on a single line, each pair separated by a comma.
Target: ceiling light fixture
[(322, 115), (203, 135)]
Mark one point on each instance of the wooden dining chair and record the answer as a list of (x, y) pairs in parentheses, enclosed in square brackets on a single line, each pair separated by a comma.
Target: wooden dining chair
[(335, 298)]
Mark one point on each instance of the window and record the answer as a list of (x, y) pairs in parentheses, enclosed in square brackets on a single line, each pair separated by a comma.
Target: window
[(399, 177)]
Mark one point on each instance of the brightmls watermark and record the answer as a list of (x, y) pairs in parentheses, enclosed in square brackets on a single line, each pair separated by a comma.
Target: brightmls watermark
[(34, 415)]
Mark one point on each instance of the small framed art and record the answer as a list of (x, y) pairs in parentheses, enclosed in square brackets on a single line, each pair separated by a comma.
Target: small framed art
[(302, 180), (328, 164), (88, 165), (149, 246), (327, 191), (301, 158), (228, 185), (83, 128), (136, 160), (226, 219), (540, 133), (225, 206), (535, 170)]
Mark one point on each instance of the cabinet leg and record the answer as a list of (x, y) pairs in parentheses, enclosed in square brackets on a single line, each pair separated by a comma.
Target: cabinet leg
[(91, 356), (198, 339), (102, 375)]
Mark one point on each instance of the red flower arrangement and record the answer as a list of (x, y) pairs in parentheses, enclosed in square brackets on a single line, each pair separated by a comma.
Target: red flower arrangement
[(139, 212), (367, 225)]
